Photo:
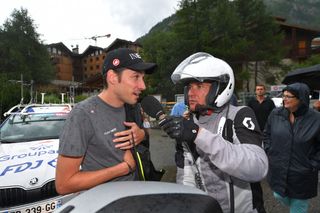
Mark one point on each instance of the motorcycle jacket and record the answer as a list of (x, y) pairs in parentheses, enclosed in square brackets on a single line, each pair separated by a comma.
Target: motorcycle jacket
[(231, 160)]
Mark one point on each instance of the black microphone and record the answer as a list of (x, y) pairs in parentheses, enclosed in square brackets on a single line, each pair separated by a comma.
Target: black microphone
[(153, 108)]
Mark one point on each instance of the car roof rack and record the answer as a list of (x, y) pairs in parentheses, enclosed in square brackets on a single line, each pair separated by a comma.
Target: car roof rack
[(22, 108)]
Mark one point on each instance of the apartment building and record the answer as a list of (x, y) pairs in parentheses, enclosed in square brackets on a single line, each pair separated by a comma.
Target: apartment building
[(82, 70)]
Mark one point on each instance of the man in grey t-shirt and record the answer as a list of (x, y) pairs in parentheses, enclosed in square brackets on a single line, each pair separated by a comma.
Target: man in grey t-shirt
[(96, 137)]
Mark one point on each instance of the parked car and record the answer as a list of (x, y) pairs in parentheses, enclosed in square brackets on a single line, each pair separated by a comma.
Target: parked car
[(29, 140), (142, 197), (314, 96), (278, 101)]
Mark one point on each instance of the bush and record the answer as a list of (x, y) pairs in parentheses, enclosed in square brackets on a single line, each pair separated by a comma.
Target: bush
[(79, 98), (51, 99)]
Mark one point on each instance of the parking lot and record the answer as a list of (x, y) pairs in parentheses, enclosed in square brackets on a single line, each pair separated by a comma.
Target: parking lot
[(162, 154)]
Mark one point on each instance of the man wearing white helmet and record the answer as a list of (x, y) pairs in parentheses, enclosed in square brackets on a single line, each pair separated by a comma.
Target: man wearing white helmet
[(222, 143)]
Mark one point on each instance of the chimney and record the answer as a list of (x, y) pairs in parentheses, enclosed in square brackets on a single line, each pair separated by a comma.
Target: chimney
[(75, 49)]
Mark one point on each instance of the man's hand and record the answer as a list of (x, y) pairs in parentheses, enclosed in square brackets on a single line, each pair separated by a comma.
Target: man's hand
[(180, 128), (124, 138)]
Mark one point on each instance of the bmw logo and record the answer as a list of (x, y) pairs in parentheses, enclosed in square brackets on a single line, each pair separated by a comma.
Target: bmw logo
[(33, 181)]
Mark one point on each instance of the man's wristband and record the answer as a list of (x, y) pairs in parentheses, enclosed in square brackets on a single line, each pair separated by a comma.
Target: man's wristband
[(130, 168)]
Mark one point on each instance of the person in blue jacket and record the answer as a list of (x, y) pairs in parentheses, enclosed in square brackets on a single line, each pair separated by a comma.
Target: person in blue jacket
[(178, 109), (292, 143)]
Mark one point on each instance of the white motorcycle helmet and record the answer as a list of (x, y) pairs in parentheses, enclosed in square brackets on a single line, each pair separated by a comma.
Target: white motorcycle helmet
[(203, 67)]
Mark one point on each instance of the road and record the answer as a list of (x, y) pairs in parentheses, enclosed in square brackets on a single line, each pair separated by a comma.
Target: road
[(162, 154)]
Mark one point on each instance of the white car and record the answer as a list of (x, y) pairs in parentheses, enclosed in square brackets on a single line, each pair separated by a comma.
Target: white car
[(29, 141), (141, 197), (278, 102)]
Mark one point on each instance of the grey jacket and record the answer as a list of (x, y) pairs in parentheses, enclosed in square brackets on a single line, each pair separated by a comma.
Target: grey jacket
[(230, 169)]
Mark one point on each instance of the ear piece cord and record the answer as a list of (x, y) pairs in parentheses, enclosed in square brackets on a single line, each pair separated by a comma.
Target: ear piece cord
[(197, 176), (138, 159)]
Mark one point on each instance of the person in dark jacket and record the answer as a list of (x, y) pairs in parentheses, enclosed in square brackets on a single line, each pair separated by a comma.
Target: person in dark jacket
[(292, 143), (261, 105)]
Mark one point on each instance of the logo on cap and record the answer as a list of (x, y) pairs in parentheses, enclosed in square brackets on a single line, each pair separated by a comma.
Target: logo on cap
[(115, 62), (134, 56)]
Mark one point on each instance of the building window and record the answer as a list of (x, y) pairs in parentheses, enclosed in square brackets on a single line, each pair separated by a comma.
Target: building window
[(302, 44), (97, 66), (97, 58), (302, 48)]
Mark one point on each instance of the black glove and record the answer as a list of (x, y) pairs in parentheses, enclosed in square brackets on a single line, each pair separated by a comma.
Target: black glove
[(180, 128)]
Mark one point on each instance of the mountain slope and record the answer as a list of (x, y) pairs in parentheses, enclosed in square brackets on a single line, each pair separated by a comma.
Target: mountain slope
[(297, 12)]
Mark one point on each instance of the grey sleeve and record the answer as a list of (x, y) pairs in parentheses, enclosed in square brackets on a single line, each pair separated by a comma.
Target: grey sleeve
[(76, 134), (247, 162)]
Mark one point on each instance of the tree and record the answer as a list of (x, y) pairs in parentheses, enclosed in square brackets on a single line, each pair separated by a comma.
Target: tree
[(262, 35), (239, 32), (161, 47), (9, 95), (21, 52), (313, 60)]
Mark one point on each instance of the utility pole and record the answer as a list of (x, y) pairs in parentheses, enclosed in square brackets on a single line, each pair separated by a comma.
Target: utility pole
[(22, 84), (31, 92), (71, 91), (21, 77)]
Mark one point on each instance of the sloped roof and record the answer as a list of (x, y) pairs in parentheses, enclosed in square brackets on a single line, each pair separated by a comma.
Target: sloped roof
[(61, 47), (117, 43), (91, 49), (282, 22)]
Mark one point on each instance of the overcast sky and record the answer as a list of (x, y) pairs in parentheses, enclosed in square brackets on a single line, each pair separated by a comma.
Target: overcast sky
[(75, 21)]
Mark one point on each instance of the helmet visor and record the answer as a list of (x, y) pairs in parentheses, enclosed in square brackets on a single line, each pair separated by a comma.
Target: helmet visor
[(195, 68)]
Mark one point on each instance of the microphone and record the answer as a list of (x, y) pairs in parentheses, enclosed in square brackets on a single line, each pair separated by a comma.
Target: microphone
[(153, 108)]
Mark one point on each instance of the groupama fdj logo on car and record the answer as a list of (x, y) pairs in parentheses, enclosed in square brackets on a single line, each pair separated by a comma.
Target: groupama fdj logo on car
[(35, 157)]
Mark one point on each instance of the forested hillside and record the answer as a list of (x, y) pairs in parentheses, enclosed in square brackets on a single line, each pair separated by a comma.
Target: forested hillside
[(226, 29), (298, 12)]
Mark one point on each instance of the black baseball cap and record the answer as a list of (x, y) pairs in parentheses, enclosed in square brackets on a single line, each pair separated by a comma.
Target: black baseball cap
[(126, 58)]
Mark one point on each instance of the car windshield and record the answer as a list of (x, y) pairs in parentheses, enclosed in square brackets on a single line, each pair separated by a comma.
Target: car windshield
[(30, 127)]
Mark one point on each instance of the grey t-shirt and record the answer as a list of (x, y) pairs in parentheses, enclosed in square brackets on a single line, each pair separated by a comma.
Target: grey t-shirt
[(89, 132)]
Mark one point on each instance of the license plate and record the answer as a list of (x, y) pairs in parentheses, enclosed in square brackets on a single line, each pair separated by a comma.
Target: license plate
[(41, 208)]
